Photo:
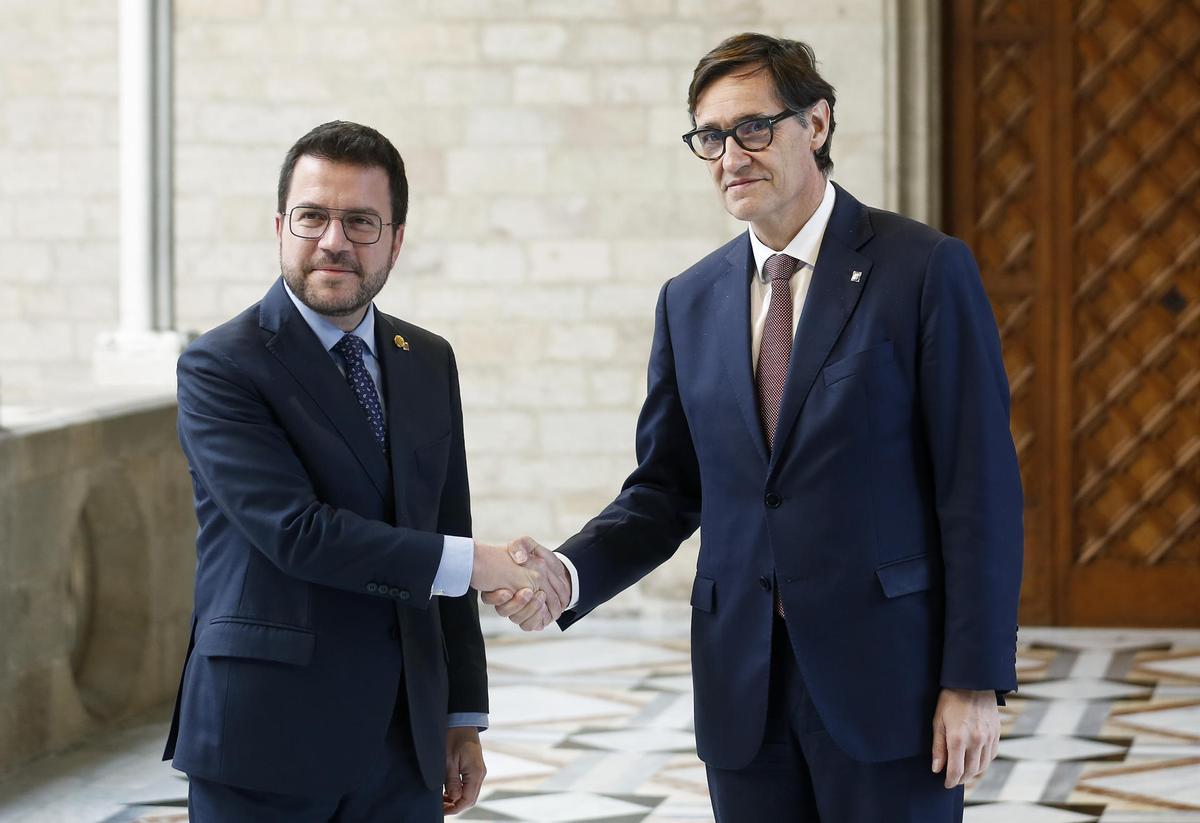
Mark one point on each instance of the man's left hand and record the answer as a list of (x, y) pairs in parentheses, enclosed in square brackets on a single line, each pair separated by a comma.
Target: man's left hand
[(464, 769), (966, 734)]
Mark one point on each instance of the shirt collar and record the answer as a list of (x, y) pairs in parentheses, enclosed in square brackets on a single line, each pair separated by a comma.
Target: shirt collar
[(807, 242), (328, 333)]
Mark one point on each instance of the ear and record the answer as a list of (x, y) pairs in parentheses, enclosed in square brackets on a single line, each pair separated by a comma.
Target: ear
[(279, 227), (818, 119), (397, 241)]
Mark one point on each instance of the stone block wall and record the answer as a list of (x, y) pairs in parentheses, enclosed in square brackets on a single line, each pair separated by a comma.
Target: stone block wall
[(96, 564), (551, 194)]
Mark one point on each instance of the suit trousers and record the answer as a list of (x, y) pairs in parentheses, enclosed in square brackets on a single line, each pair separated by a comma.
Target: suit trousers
[(801, 776), (393, 790)]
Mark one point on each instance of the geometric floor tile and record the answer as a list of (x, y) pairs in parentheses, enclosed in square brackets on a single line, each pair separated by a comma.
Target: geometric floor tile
[(1081, 689), (597, 728), (511, 705), (1022, 813), (1188, 667), (634, 740), (670, 683), (565, 807), (503, 766), (585, 654), (1172, 786), (1057, 747), (1183, 721)]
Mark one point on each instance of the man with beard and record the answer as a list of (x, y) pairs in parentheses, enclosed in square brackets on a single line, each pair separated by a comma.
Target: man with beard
[(336, 667)]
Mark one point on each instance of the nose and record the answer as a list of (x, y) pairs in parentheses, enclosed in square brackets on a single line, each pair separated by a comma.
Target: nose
[(735, 157), (334, 238)]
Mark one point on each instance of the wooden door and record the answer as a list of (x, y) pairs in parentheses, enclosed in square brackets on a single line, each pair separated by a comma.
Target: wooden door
[(1073, 171)]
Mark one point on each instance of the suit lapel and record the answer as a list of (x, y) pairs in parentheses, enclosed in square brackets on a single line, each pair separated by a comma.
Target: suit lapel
[(297, 348), (836, 286), (399, 379), (732, 301)]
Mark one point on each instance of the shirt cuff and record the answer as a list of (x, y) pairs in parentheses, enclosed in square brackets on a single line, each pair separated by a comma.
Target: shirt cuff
[(477, 719), (453, 576), (574, 575)]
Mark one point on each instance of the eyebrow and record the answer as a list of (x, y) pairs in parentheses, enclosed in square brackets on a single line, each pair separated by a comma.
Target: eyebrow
[(308, 204)]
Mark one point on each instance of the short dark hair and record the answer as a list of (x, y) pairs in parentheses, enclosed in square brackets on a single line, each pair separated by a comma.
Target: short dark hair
[(792, 66), (345, 142)]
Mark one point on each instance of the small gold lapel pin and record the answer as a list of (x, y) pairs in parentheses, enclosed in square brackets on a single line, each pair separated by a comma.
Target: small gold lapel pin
[(400, 342), (855, 276)]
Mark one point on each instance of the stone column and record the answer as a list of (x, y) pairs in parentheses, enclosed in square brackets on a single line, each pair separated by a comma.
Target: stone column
[(144, 347)]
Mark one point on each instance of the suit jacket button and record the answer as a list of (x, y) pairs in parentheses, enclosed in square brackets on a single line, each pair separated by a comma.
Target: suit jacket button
[(404, 595), (394, 592), (372, 587), (765, 582), (773, 500)]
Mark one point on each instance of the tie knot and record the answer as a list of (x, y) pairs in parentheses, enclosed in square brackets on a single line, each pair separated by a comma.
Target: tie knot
[(351, 345), (780, 267)]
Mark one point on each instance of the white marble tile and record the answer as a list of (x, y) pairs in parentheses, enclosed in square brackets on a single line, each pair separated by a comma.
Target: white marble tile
[(565, 807), (1177, 784), (1188, 667), (1025, 663), (680, 714), (1022, 813), (638, 740), (1063, 717), (1027, 781), (585, 654), (1185, 720), (514, 705), (1082, 689), (1056, 747), (675, 682), (504, 766)]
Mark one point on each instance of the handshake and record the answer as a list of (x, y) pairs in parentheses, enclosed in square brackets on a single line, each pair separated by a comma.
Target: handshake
[(525, 581)]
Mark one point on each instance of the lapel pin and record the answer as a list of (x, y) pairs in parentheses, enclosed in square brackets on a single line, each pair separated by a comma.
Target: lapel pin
[(400, 342), (855, 276)]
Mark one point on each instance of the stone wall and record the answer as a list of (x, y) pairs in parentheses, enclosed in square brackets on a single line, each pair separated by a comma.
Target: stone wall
[(551, 195), (96, 562)]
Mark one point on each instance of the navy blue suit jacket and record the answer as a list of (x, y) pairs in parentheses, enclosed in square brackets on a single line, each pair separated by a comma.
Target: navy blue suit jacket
[(889, 512), (316, 556)]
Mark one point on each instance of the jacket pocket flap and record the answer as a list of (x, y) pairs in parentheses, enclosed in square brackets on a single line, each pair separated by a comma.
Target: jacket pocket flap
[(259, 641), (704, 592), (912, 574), (857, 362)]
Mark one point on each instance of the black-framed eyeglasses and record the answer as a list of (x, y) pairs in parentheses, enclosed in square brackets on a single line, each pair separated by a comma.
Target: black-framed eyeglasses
[(360, 227), (754, 134)]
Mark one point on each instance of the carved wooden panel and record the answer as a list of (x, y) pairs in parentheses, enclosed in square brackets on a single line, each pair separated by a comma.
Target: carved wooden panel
[(1073, 147)]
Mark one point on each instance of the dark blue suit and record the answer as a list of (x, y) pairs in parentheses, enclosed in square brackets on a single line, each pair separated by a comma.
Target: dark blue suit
[(888, 514), (316, 556)]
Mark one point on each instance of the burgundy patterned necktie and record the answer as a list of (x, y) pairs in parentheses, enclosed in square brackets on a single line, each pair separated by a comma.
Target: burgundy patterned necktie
[(774, 354), (775, 349)]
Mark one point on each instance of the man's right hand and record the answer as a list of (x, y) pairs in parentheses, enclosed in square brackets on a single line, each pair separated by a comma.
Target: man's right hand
[(521, 607), (493, 568)]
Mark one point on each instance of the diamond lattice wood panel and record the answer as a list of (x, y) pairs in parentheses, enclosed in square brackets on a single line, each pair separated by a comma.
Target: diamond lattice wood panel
[(1073, 140), (1135, 297)]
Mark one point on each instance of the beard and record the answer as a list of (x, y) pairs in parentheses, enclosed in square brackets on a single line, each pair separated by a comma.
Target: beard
[(369, 285)]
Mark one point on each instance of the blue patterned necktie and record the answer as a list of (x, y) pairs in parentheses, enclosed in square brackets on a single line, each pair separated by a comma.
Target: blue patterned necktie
[(350, 347)]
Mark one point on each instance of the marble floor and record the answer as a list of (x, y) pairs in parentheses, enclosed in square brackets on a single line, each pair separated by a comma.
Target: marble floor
[(596, 725)]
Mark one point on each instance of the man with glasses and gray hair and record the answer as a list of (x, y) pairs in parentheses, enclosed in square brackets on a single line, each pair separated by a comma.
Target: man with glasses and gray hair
[(828, 404), (336, 669)]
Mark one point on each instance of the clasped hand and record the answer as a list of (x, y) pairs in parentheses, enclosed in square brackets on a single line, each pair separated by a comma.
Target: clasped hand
[(525, 581)]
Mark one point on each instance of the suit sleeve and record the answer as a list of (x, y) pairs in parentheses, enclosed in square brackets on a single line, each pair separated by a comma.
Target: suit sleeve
[(977, 483), (460, 615), (659, 505), (242, 458)]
